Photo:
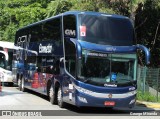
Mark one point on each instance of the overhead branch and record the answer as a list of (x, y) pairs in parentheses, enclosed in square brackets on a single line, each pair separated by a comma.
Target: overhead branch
[(141, 23), (155, 37)]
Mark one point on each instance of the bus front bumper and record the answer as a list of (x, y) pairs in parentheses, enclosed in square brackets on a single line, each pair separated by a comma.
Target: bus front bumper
[(7, 78), (90, 101)]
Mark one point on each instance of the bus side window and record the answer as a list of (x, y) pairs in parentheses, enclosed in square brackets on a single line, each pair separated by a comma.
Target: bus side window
[(57, 67)]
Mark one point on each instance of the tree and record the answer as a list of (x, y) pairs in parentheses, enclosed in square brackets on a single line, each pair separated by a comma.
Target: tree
[(18, 13), (147, 29), (57, 7)]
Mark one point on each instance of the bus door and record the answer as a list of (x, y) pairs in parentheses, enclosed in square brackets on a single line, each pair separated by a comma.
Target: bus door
[(70, 72), (69, 29)]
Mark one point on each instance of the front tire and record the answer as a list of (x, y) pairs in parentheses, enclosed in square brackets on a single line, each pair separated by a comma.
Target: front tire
[(19, 84), (61, 104), (52, 96), (22, 85)]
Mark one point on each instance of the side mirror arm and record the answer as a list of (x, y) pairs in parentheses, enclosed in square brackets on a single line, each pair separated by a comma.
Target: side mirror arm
[(146, 51)]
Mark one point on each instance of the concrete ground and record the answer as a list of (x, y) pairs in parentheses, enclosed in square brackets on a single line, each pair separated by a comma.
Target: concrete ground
[(148, 104)]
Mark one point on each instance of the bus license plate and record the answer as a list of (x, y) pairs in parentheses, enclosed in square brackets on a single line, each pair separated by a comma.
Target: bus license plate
[(109, 103)]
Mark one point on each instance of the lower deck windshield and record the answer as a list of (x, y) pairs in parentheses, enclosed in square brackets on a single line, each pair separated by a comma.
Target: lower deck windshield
[(106, 68), (2, 61), (6, 64)]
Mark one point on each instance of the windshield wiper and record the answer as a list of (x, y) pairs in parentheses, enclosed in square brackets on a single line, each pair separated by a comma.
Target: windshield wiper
[(87, 79), (129, 80), (126, 79), (84, 79)]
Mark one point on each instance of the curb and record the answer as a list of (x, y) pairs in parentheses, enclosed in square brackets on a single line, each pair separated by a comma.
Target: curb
[(147, 104)]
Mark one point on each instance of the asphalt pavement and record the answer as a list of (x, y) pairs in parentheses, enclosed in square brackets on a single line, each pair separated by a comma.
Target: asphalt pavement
[(14, 100)]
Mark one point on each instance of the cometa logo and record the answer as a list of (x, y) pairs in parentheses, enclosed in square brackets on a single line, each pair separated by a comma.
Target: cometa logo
[(45, 49)]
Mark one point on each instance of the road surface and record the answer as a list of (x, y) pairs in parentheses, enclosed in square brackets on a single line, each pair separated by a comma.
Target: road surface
[(33, 104)]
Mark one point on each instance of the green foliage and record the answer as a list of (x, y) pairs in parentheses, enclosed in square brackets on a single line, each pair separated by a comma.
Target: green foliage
[(19, 13), (57, 7), (146, 96), (146, 14), (146, 24), (84, 5)]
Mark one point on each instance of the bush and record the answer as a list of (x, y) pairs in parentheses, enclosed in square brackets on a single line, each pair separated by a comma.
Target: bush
[(146, 96)]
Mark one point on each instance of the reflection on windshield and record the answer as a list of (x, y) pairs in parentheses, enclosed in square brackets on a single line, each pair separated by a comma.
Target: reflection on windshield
[(107, 69), (106, 30)]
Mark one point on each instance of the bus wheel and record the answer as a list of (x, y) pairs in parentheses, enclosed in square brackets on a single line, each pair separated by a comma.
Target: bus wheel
[(22, 85), (19, 84), (52, 96), (60, 99)]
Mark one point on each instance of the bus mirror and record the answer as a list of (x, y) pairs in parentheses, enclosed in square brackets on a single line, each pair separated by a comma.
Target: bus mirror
[(61, 59), (146, 51)]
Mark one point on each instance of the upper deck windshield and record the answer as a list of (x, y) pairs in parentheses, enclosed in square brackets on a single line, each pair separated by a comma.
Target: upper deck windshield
[(106, 30)]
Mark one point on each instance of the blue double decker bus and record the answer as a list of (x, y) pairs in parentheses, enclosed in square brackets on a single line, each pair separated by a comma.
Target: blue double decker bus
[(80, 58)]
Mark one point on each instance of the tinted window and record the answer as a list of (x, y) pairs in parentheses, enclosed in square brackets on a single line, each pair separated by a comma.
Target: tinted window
[(10, 53), (69, 23), (70, 57), (48, 64), (106, 30), (51, 30), (36, 32), (31, 59), (47, 30)]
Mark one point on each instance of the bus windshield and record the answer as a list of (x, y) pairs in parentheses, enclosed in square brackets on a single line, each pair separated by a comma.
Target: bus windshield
[(2, 61), (106, 30), (6, 64), (98, 68)]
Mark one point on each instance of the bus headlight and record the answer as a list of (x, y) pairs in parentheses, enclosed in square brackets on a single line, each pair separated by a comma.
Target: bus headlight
[(132, 101)]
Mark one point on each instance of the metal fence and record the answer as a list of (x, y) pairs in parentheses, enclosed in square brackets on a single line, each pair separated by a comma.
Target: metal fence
[(148, 80)]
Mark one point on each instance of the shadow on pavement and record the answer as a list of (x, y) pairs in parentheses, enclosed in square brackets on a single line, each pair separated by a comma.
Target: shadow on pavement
[(103, 111), (87, 111)]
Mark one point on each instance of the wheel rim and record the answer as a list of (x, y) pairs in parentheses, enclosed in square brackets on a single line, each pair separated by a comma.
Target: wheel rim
[(59, 96), (19, 82), (51, 92), (22, 83)]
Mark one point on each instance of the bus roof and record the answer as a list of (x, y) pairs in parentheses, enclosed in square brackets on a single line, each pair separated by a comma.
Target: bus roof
[(77, 13), (6, 44), (94, 13)]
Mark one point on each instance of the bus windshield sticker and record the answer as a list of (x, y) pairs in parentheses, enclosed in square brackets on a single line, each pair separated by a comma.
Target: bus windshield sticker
[(82, 30), (113, 77), (97, 54)]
